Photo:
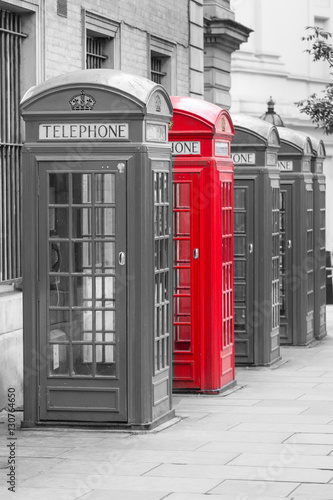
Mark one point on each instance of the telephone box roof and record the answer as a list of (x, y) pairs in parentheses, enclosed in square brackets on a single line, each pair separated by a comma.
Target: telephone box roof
[(134, 86), (264, 131), (298, 141), (203, 111)]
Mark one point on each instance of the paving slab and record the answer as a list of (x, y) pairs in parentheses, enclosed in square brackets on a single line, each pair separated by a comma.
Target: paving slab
[(127, 495), (191, 496), (124, 483), (314, 491), (242, 489), (272, 472), (284, 459), (268, 448), (43, 494), (307, 438), (284, 427)]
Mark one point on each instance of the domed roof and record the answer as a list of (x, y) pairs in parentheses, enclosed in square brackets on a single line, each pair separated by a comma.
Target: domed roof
[(270, 115)]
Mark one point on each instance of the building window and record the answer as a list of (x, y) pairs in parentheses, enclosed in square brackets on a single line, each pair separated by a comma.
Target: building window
[(102, 42), (163, 63), (10, 146), (95, 56), (156, 70)]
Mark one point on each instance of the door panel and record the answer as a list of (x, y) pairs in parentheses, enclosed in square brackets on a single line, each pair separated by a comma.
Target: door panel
[(286, 293), (186, 318), (82, 233), (243, 271)]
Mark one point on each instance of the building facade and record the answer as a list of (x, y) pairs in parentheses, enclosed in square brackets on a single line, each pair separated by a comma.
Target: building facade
[(273, 62)]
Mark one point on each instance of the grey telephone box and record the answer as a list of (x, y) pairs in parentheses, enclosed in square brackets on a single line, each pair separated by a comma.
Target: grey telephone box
[(97, 251), (256, 241), (297, 238), (319, 231)]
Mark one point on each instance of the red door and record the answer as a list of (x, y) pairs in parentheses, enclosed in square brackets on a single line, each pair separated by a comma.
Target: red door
[(186, 283)]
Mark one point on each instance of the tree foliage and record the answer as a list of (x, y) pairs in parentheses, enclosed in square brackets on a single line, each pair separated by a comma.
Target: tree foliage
[(320, 108)]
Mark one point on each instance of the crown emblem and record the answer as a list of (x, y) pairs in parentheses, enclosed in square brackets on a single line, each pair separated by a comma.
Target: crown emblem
[(82, 102), (223, 124), (170, 125), (158, 103)]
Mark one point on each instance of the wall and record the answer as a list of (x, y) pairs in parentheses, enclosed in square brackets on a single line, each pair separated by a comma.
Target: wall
[(11, 347)]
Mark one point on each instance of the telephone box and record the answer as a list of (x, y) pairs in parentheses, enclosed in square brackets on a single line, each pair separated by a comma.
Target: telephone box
[(203, 238), (297, 238), (256, 241), (319, 230), (98, 251)]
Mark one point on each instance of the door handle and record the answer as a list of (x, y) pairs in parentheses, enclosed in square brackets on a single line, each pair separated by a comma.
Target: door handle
[(196, 253), (250, 247), (121, 258), (289, 243)]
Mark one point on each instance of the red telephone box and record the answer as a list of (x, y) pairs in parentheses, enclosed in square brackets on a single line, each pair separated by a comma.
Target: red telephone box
[(200, 134)]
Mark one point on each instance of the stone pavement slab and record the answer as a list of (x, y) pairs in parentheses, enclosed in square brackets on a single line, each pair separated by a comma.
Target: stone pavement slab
[(266, 489), (124, 483), (127, 495), (33, 493), (314, 491), (268, 448), (290, 460), (271, 472)]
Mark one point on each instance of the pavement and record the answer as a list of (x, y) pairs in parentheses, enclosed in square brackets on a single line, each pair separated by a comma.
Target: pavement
[(269, 438)]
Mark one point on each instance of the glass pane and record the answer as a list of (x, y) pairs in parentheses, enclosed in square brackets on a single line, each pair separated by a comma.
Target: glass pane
[(105, 221), (105, 256), (58, 256), (240, 269), (81, 222), (239, 292), (82, 257), (182, 223), (82, 291), (59, 324), (183, 333), (239, 316), (183, 250), (58, 359), (182, 312), (182, 279), (59, 291), (82, 359), (239, 222), (58, 222), (107, 369), (239, 245), (239, 197), (81, 188), (58, 189), (182, 198), (104, 188)]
